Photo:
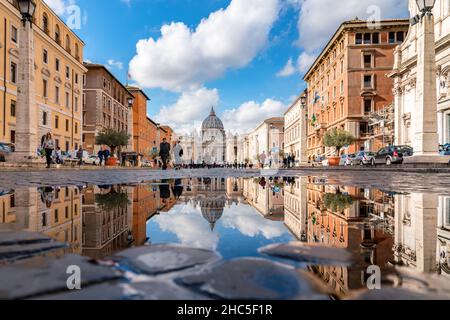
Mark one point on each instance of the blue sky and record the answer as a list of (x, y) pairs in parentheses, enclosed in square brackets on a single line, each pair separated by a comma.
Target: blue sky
[(226, 53)]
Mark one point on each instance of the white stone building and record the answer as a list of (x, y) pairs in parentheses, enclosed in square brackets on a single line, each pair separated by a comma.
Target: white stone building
[(295, 134), (406, 88), (268, 138)]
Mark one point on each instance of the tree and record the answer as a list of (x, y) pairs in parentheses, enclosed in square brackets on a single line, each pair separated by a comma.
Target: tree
[(338, 138), (112, 200), (113, 139), (337, 202)]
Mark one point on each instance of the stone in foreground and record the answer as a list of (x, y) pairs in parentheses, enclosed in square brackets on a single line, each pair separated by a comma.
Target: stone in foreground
[(39, 276), (313, 254), (253, 279), (160, 259)]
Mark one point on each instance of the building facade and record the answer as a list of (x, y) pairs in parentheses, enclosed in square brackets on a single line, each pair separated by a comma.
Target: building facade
[(405, 77), (295, 133), (145, 130), (57, 78), (348, 82), (107, 104), (267, 138)]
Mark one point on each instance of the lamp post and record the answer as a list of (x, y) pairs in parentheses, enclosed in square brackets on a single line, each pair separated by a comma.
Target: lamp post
[(27, 110), (304, 127), (424, 115)]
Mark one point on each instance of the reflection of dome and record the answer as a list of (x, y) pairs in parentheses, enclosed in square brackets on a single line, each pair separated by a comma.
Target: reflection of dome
[(212, 210), (212, 122)]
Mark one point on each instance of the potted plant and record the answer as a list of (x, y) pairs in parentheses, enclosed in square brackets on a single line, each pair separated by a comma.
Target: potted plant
[(337, 138), (112, 200), (337, 202), (113, 139)]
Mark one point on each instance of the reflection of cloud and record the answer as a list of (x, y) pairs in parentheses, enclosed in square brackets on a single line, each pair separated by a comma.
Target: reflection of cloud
[(250, 223), (189, 226)]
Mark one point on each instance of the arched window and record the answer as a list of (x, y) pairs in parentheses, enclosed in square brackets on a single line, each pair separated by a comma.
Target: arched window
[(77, 52), (45, 23), (57, 34), (68, 43)]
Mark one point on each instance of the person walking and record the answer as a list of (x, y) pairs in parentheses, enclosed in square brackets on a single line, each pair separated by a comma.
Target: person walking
[(100, 157), (80, 154), (262, 159), (178, 155), (58, 156), (164, 153), (106, 155), (48, 145)]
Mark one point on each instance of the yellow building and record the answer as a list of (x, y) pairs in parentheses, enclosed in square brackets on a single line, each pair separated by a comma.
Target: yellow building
[(58, 75)]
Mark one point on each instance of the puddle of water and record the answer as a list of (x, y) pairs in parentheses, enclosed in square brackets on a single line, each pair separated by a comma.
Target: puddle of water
[(236, 217)]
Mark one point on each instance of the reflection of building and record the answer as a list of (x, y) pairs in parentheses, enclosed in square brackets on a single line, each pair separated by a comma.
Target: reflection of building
[(52, 212), (266, 196), (295, 208), (444, 234), (107, 220), (346, 224), (146, 203), (57, 77)]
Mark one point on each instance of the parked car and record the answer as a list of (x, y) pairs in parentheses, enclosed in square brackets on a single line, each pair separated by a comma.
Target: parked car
[(92, 160), (363, 158), (346, 159), (317, 161), (390, 155), (444, 150), (4, 150), (325, 162), (407, 151)]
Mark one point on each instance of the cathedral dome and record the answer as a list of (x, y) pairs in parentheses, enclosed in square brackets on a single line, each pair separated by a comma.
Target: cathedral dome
[(212, 122)]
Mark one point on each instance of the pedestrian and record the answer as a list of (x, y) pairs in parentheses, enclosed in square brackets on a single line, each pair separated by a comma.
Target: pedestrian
[(262, 159), (106, 155), (100, 157), (48, 144), (80, 154), (164, 153), (58, 156), (178, 155)]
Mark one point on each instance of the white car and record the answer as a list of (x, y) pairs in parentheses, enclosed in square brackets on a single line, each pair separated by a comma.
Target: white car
[(325, 163), (92, 160)]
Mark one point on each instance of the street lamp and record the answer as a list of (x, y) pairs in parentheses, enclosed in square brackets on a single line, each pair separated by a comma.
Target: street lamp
[(27, 8), (303, 101), (425, 6), (130, 102)]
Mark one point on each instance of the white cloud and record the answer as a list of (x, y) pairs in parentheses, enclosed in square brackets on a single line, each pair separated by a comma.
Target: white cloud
[(60, 6), (185, 59), (251, 224), (191, 107), (288, 69), (316, 26), (191, 229), (251, 113), (115, 64)]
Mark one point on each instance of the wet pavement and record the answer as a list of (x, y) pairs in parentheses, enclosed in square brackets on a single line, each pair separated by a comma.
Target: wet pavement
[(248, 236)]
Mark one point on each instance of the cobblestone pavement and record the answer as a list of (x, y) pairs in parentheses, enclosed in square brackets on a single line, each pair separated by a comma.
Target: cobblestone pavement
[(395, 181), (186, 273)]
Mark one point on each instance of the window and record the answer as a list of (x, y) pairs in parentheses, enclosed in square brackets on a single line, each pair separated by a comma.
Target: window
[(76, 128), (57, 35), (57, 143), (400, 37), (76, 104), (368, 82), (392, 37), (56, 215), (375, 38), (367, 106), (342, 86), (67, 72), (45, 23), (56, 122), (367, 38), (359, 38), (67, 146), (12, 111), (67, 125), (57, 95), (44, 118), (67, 100), (13, 72), (57, 64), (45, 56), (68, 44), (44, 88), (76, 78), (14, 34), (367, 61)]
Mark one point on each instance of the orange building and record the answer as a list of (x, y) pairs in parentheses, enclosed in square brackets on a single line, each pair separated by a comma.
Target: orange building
[(145, 205), (145, 130), (166, 132), (347, 83)]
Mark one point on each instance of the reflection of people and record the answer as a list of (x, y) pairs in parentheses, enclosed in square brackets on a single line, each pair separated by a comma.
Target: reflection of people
[(164, 190), (177, 189), (164, 153), (262, 159)]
